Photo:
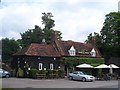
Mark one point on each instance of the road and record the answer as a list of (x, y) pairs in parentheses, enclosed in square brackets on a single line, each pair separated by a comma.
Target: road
[(55, 83)]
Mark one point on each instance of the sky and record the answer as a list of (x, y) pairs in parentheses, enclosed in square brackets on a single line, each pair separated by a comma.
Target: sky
[(76, 19)]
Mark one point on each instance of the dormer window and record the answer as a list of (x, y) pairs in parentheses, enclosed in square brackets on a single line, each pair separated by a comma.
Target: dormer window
[(93, 53), (72, 51)]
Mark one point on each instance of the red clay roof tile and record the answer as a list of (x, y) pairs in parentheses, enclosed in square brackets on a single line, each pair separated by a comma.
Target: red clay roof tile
[(39, 50), (79, 47), (58, 48)]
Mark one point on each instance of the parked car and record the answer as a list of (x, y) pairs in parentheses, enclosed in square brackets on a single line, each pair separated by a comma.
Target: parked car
[(4, 73), (79, 75)]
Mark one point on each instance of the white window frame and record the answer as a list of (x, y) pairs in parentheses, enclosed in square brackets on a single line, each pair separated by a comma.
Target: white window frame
[(93, 53), (51, 66), (40, 66), (72, 51)]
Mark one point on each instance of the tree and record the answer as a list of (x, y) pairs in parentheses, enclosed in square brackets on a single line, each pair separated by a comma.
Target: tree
[(95, 40), (108, 42), (47, 21), (111, 30), (31, 36), (38, 35), (9, 47), (110, 34)]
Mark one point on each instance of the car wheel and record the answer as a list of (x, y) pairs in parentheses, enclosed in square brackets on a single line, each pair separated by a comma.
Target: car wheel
[(7, 76), (71, 78), (83, 79)]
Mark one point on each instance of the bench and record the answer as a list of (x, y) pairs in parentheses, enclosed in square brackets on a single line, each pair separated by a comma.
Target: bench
[(41, 75)]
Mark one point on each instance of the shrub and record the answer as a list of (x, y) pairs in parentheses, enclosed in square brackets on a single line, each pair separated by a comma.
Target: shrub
[(61, 73), (50, 72), (20, 73), (55, 72), (33, 73)]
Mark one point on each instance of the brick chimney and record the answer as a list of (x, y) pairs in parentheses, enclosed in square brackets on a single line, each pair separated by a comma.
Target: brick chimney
[(54, 36), (56, 42)]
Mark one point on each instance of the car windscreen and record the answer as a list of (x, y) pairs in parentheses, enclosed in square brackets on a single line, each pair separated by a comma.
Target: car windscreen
[(82, 73)]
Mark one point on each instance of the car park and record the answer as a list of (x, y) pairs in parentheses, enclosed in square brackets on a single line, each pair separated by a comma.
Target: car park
[(4, 73), (79, 75)]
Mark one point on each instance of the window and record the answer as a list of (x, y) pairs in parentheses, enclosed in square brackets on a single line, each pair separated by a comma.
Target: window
[(93, 53), (40, 66), (72, 51), (75, 73), (51, 66)]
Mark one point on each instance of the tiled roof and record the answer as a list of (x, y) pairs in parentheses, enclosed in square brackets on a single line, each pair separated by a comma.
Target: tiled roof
[(39, 50), (79, 47), (58, 48)]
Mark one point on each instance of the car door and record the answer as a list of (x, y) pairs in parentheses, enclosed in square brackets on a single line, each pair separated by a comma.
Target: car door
[(76, 75), (80, 75)]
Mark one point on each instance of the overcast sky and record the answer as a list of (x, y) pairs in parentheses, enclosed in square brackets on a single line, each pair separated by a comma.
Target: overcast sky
[(76, 19)]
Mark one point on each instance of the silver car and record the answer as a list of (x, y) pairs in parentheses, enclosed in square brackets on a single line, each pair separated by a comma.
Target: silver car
[(79, 75), (4, 73)]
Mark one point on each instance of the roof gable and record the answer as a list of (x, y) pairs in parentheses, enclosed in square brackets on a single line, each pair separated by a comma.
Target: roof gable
[(93, 50), (72, 48)]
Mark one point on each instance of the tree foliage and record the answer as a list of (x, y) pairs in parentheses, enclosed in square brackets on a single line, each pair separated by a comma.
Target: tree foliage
[(36, 35), (39, 35), (111, 30), (110, 34), (47, 20), (32, 36), (9, 47), (95, 40), (108, 41), (74, 61)]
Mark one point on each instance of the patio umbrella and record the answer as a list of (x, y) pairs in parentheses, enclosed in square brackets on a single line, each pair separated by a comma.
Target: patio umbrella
[(112, 66), (103, 66), (84, 66)]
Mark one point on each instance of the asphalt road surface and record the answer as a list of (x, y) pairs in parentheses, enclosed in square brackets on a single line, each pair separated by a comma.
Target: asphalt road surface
[(56, 83)]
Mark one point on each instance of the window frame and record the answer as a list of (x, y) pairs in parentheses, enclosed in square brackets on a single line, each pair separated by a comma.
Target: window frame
[(51, 66), (40, 66), (93, 53), (72, 51)]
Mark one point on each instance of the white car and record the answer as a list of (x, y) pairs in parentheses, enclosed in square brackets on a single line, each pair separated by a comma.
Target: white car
[(4, 73), (79, 75)]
